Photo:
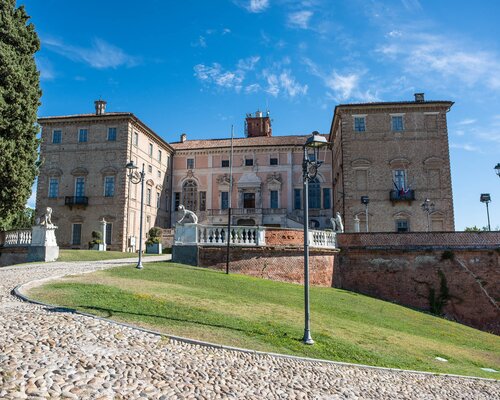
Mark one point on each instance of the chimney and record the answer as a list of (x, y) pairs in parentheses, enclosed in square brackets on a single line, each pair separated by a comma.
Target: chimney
[(419, 98), (184, 137), (100, 107)]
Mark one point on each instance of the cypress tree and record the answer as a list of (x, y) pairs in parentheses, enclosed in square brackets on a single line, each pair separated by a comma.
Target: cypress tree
[(19, 100)]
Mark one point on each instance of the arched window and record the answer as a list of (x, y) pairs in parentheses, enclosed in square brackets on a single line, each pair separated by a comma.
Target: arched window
[(314, 194), (190, 195)]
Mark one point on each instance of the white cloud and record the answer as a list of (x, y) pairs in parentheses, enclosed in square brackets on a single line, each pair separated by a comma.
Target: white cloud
[(344, 85), (412, 5), (227, 79), (201, 42), (468, 121), (436, 58), (100, 55), (253, 88), (257, 6), (466, 147), (46, 69), (283, 82), (299, 19)]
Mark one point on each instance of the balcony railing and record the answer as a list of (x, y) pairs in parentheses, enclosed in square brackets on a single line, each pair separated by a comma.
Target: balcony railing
[(400, 195), (76, 201)]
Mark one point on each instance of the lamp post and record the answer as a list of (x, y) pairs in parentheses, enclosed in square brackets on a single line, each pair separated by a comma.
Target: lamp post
[(136, 178), (310, 166), (428, 208), (497, 169), (486, 198), (365, 200)]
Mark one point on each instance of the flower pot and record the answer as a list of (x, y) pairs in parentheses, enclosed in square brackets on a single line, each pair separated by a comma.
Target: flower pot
[(99, 247), (154, 248)]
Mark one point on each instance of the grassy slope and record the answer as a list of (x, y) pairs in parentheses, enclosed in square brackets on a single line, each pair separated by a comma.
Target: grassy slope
[(93, 255), (265, 315)]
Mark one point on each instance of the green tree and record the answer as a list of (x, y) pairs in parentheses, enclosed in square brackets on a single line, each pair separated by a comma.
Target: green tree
[(23, 219), (19, 100)]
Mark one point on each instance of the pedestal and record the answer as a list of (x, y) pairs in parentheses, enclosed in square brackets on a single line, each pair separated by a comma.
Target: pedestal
[(186, 234), (43, 244)]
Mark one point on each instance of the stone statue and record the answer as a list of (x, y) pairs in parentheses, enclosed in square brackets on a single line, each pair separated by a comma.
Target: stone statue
[(46, 219), (337, 224), (185, 214)]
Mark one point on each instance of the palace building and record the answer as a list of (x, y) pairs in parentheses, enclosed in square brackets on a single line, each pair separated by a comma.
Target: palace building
[(395, 154)]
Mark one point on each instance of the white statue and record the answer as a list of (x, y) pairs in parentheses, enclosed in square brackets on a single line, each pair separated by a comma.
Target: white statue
[(47, 218), (187, 213), (337, 224)]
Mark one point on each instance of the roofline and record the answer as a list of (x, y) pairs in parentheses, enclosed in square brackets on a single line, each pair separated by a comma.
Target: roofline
[(111, 115)]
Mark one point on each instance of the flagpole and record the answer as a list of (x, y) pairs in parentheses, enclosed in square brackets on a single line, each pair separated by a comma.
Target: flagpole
[(229, 200)]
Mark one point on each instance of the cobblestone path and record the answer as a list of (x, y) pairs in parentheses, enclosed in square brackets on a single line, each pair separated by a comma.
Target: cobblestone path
[(53, 354)]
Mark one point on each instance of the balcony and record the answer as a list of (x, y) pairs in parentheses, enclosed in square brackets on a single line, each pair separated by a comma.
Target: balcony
[(71, 201), (399, 195)]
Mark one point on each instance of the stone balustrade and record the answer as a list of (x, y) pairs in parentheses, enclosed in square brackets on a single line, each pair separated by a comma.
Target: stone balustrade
[(323, 239), (21, 237)]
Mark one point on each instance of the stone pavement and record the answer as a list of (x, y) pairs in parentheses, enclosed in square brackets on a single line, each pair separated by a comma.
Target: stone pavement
[(54, 354)]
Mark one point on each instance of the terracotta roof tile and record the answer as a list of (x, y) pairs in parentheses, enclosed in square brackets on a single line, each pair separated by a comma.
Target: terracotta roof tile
[(293, 140)]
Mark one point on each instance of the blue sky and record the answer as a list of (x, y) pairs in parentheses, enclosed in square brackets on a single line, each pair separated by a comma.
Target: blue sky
[(199, 66)]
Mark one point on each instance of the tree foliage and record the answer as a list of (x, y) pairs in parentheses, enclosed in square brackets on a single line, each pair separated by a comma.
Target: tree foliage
[(23, 219), (19, 100)]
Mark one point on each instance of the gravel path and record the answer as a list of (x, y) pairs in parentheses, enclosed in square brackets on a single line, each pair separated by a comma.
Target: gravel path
[(53, 354)]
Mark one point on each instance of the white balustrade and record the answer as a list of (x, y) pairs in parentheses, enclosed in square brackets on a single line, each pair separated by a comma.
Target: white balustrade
[(325, 239), (17, 238), (240, 235)]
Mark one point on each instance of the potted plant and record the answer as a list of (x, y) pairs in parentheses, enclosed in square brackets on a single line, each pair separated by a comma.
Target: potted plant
[(96, 243), (153, 244)]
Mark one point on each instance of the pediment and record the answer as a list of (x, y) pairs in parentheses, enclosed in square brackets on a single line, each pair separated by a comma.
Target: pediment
[(250, 179), (79, 171)]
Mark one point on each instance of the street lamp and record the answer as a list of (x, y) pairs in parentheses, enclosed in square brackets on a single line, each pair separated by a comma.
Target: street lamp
[(486, 198), (497, 169), (136, 178), (428, 208), (365, 200), (310, 166)]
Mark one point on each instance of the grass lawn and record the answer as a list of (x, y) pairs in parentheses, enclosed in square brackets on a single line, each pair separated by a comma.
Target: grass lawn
[(94, 255), (264, 315)]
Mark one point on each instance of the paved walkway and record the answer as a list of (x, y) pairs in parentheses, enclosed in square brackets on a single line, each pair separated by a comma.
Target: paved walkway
[(53, 354)]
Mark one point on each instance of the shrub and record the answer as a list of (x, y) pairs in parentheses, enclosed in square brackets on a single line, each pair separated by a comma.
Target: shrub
[(447, 255), (96, 238), (154, 235)]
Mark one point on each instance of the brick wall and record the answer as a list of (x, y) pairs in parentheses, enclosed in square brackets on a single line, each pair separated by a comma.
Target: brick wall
[(272, 262), (279, 237), (412, 269)]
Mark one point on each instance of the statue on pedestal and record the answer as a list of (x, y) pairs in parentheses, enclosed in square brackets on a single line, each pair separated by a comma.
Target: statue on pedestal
[(337, 224), (187, 213)]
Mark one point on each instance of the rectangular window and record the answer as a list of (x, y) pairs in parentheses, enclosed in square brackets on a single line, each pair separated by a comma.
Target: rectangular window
[(76, 234), (109, 186), (150, 150), (159, 174), (273, 161), (248, 162), (397, 123), (248, 200), (359, 124), (109, 232), (53, 187), (111, 134), (177, 200), (159, 155), (148, 197), (203, 201), (158, 199), (190, 163), (402, 225), (80, 187), (326, 199), (225, 164), (274, 199), (56, 137), (83, 135), (399, 176), (150, 169), (136, 139), (297, 199), (224, 200)]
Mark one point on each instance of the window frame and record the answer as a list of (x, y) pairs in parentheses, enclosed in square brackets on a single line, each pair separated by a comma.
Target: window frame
[(274, 203), (297, 199), (190, 163), (83, 133), (59, 132), (112, 192), (224, 202), (248, 162), (274, 161), (224, 162), (358, 127), (135, 139), (394, 127), (50, 194), (73, 234), (401, 220), (112, 138)]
